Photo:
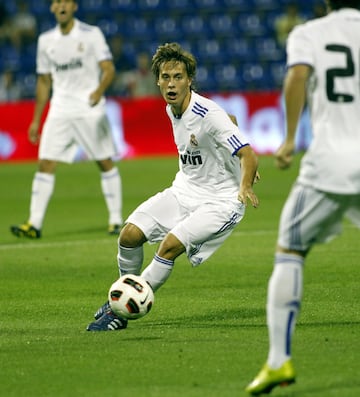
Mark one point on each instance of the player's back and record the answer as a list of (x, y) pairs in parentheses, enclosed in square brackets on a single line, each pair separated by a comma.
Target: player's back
[(331, 46)]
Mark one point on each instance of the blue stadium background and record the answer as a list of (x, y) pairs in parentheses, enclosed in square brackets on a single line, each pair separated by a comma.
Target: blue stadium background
[(233, 40)]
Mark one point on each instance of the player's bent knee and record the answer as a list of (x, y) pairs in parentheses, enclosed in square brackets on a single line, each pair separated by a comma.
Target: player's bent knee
[(131, 236)]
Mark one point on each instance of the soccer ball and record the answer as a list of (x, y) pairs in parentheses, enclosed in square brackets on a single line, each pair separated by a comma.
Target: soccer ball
[(131, 297)]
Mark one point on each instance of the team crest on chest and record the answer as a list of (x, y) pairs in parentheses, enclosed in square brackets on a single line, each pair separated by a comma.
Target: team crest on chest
[(193, 141)]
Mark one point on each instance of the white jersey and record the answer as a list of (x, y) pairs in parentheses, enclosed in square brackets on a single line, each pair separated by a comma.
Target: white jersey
[(207, 142), (73, 62), (331, 46)]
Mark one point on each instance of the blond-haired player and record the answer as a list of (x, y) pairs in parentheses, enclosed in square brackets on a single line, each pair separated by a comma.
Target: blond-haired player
[(207, 199)]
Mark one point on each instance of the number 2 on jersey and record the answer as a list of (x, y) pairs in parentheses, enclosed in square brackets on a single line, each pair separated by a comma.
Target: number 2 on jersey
[(331, 74)]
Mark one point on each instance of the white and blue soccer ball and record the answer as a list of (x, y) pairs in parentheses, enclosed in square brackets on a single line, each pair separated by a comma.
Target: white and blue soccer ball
[(131, 297)]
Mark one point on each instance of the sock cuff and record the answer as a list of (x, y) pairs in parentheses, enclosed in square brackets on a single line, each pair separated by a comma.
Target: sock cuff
[(125, 248), (163, 261), (129, 249), (109, 174), (44, 176), (281, 258)]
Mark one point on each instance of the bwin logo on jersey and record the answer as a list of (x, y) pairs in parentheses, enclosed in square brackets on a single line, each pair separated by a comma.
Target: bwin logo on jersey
[(191, 158), (75, 63)]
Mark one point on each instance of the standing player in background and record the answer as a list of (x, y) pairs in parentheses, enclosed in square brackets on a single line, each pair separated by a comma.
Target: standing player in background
[(73, 60), (207, 199), (323, 62)]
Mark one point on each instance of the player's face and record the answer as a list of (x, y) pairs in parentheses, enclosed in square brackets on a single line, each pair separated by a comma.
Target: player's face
[(64, 11), (174, 84)]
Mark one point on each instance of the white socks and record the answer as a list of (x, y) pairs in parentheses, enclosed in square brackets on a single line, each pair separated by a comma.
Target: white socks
[(158, 272), (42, 190), (43, 187), (112, 191), (283, 304), (130, 260)]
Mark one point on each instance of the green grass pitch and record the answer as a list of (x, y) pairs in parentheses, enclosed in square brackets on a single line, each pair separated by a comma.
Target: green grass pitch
[(206, 334)]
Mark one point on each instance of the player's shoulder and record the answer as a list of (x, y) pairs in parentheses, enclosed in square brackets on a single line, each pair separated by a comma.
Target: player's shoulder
[(201, 106), (201, 102), (86, 28), (325, 24), (309, 26), (206, 108), (47, 33), (47, 37)]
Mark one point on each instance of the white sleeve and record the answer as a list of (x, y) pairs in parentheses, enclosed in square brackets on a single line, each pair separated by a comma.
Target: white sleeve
[(226, 133), (299, 47), (43, 64), (101, 48)]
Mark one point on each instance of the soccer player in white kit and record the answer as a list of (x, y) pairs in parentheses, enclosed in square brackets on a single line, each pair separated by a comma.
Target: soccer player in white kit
[(323, 62), (207, 199), (74, 61)]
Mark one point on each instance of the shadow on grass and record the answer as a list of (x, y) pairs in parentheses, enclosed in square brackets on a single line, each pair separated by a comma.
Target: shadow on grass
[(228, 318), (237, 318), (73, 232), (343, 388)]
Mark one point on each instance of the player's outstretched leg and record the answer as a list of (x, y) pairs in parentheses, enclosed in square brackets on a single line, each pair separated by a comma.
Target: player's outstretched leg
[(283, 305), (268, 378)]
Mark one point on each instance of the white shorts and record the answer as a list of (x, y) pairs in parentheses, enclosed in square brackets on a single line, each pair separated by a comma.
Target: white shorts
[(310, 216), (61, 138), (201, 228)]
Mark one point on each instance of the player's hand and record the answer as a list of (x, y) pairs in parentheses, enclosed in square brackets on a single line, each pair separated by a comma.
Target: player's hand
[(284, 155), (246, 194), (33, 132), (94, 98)]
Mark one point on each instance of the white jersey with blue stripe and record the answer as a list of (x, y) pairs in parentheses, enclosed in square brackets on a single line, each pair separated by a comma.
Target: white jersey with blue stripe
[(73, 61), (207, 142)]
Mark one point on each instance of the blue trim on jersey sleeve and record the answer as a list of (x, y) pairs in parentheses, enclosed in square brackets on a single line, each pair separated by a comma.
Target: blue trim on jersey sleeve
[(235, 152), (236, 144)]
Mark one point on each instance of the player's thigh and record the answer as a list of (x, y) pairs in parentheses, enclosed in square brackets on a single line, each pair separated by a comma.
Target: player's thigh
[(309, 216), (157, 215), (56, 141), (93, 134), (208, 222)]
